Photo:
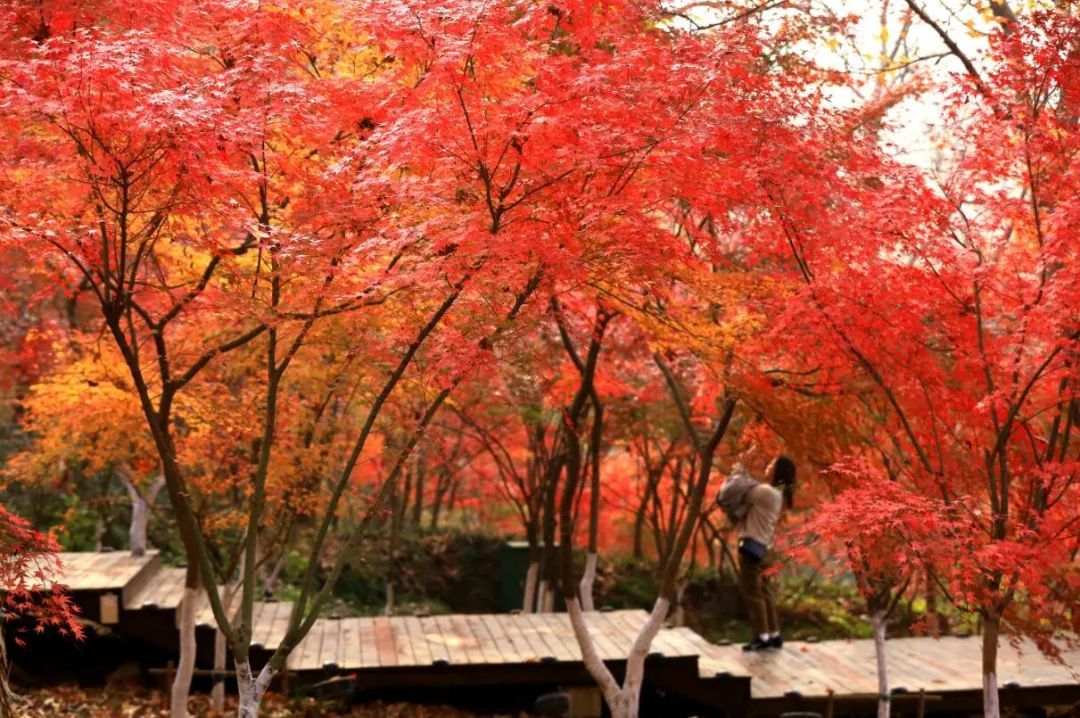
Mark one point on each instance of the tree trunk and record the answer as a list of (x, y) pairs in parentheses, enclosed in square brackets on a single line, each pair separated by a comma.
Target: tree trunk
[(639, 529), (421, 474), (543, 597), (451, 498), (441, 487), (251, 688), (877, 619), (181, 686), (388, 607), (679, 619), (528, 604), (623, 701), (140, 512), (635, 662), (5, 689), (991, 631), (588, 578), (139, 520), (217, 693)]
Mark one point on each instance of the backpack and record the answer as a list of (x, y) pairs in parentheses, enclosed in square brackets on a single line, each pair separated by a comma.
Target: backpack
[(732, 496)]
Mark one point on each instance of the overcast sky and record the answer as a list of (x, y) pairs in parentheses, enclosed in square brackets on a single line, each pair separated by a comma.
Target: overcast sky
[(888, 28)]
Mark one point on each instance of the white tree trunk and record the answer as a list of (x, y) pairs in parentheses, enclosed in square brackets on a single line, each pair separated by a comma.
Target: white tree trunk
[(877, 619), (991, 699), (181, 686), (545, 597), (528, 603), (251, 688), (140, 511), (388, 609), (588, 578), (623, 701)]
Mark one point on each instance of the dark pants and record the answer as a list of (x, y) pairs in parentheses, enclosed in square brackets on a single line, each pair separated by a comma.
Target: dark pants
[(758, 594)]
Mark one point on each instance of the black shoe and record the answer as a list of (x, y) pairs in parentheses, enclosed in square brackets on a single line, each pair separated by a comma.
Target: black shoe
[(756, 645), (774, 642)]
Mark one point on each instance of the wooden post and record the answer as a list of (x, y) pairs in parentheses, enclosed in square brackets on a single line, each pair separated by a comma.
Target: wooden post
[(922, 703), (170, 675), (830, 703)]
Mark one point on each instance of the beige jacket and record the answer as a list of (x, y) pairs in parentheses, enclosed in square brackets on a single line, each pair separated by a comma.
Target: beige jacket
[(759, 524)]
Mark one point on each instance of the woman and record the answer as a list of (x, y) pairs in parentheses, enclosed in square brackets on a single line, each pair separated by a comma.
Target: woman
[(756, 531)]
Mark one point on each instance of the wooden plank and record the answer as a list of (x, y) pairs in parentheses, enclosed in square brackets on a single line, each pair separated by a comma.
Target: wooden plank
[(488, 643), (935, 665), (521, 627), (369, 655), (907, 672), (433, 638), (790, 669), (565, 632), (468, 642), (280, 625), (277, 625), (681, 644), (349, 645), (261, 622), (537, 626), (1030, 668), (839, 671), (438, 636), (608, 647), (309, 648), (763, 682), (510, 651), (558, 626), (632, 629), (103, 574), (405, 656), (84, 574), (385, 645), (329, 653), (421, 649), (120, 569), (609, 629), (91, 569), (163, 592), (303, 657)]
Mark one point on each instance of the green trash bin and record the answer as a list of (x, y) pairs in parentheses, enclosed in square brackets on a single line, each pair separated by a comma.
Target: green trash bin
[(513, 567)]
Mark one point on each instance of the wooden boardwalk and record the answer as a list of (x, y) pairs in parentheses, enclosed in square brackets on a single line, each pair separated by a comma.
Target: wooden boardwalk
[(497, 639), (415, 652), (111, 570), (937, 666)]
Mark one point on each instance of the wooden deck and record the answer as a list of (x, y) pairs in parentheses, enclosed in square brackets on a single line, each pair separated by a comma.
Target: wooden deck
[(414, 652), (111, 570), (945, 665), (498, 639)]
